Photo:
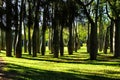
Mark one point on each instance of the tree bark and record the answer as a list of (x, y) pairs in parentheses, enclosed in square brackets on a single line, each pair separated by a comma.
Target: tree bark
[(19, 36), (8, 28), (106, 44), (61, 42), (56, 42), (117, 38), (30, 23), (43, 46), (70, 42), (111, 36), (2, 40), (36, 30)]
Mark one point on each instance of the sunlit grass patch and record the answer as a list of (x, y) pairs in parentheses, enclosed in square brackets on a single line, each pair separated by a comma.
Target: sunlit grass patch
[(68, 67)]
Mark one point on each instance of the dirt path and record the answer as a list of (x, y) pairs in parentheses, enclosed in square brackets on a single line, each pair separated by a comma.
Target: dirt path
[(2, 75)]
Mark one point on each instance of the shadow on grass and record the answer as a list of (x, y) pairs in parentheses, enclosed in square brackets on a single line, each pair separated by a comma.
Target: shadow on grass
[(77, 60), (17, 72)]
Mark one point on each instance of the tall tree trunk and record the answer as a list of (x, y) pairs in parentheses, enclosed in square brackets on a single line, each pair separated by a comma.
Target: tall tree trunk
[(111, 36), (117, 38), (70, 42), (2, 40), (88, 39), (38, 40), (101, 37), (77, 43), (25, 40), (8, 30), (93, 34), (56, 42), (93, 42), (36, 30), (106, 44), (61, 42), (19, 36), (16, 25), (9, 42), (29, 26), (43, 46)]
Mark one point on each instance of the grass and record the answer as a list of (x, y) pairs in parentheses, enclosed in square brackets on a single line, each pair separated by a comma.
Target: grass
[(69, 67)]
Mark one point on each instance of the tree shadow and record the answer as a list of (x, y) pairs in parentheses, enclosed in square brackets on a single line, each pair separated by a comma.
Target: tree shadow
[(17, 72), (77, 60)]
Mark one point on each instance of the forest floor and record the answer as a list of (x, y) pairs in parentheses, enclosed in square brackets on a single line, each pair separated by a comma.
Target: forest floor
[(2, 74), (69, 67)]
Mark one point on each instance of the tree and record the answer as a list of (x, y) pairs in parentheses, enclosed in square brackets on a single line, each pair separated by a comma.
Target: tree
[(8, 28), (36, 29), (44, 27), (93, 34), (30, 24), (19, 34), (55, 27), (114, 6), (72, 9)]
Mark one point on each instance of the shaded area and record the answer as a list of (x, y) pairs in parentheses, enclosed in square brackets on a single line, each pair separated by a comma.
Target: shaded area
[(2, 75), (25, 73), (79, 59)]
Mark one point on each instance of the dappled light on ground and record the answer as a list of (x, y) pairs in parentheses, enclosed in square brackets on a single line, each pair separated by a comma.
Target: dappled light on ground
[(68, 67)]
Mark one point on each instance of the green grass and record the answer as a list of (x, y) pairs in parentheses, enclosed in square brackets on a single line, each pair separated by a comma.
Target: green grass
[(69, 67)]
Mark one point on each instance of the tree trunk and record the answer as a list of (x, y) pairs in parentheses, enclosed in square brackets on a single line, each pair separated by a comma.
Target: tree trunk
[(34, 40), (25, 40), (70, 42), (29, 26), (117, 38), (16, 25), (93, 35), (93, 42), (56, 42), (77, 43), (36, 30), (111, 36), (8, 43), (43, 46), (38, 40), (106, 44), (101, 37), (2, 40), (8, 28), (19, 36), (61, 42), (88, 39)]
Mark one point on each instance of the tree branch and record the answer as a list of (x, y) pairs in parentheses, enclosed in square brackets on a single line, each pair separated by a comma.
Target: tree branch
[(85, 10), (89, 3), (108, 14)]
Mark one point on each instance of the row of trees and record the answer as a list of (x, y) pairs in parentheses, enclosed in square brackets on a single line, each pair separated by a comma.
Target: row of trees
[(34, 17)]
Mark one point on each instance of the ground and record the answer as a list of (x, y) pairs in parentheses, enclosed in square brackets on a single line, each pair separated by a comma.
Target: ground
[(68, 67), (2, 75)]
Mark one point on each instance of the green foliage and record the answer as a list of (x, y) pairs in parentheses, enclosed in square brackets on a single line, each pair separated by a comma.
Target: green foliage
[(82, 32)]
